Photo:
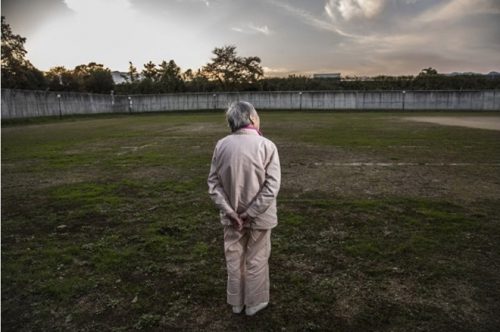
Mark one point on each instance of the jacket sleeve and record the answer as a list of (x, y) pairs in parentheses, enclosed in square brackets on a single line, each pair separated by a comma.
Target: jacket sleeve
[(270, 188), (215, 189)]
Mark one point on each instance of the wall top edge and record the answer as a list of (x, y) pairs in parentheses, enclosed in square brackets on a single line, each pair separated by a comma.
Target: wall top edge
[(215, 94)]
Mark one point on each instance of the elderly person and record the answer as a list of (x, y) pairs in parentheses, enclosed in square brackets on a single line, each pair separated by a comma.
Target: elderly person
[(244, 181)]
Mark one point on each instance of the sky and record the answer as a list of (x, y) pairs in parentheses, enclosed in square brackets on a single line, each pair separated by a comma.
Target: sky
[(351, 37)]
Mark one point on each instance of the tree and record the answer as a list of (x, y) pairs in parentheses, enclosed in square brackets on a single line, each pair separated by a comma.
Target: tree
[(94, 77), (61, 79), (132, 75), (428, 79), (187, 75), (231, 70), (428, 72), (199, 83), (170, 76), (150, 71), (17, 71), (251, 70)]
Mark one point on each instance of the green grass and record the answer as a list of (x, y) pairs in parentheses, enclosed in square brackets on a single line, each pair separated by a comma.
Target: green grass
[(107, 225)]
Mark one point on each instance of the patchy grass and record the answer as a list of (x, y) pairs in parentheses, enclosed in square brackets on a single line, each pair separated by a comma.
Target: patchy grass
[(385, 225)]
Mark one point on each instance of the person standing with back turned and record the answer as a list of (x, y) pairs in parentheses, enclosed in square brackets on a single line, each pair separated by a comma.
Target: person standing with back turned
[(244, 181)]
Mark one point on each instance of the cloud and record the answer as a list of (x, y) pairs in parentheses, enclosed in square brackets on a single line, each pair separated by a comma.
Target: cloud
[(252, 29), (262, 29), (350, 9), (310, 19), (113, 32), (362, 37), (97, 7), (454, 9), (278, 71), (26, 16)]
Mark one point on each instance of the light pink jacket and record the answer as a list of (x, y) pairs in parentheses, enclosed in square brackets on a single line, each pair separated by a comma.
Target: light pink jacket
[(245, 176)]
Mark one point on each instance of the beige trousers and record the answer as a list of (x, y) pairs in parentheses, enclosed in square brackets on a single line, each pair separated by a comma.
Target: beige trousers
[(247, 254)]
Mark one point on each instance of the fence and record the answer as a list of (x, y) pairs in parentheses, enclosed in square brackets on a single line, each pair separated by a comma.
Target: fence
[(28, 103)]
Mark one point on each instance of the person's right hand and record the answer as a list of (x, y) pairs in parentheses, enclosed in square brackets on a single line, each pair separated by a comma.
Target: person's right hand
[(235, 220)]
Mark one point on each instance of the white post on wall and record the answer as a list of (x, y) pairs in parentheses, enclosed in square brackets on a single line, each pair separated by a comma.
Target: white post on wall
[(112, 97), (129, 104), (404, 94), (59, 100), (300, 100)]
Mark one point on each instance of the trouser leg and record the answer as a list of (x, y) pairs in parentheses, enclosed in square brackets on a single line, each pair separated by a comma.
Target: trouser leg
[(234, 249), (258, 250)]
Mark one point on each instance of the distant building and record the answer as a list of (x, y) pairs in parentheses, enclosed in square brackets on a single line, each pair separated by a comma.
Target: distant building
[(328, 75), (119, 77), (491, 74), (358, 78), (462, 74)]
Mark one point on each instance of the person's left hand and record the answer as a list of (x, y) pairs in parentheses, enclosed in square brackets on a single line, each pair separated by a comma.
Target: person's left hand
[(244, 217)]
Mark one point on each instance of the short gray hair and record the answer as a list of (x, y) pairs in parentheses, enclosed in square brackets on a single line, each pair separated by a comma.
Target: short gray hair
[(238, 114)]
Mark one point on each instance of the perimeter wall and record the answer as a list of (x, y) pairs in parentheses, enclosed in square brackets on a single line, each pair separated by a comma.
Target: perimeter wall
[(29, 103)]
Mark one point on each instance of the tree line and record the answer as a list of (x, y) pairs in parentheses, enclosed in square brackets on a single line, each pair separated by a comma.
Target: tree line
[(226, 71)]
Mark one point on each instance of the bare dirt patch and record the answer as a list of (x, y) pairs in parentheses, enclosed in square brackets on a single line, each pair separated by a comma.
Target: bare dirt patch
[(346, 173), (481, 122)]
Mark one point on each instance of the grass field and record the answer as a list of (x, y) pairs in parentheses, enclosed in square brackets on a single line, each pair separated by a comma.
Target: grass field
[(384, 225)]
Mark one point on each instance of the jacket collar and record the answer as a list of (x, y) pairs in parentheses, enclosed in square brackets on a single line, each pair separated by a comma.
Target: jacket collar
[(248, 130)]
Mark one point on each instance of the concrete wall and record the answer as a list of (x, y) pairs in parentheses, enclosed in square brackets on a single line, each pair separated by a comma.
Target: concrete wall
[(27, 103)]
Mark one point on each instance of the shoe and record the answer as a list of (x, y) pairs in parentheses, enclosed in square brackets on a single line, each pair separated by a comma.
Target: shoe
[(238, 309), (250, 311)]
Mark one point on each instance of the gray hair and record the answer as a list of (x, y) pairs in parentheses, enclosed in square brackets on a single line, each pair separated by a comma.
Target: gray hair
[(238, 114)]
